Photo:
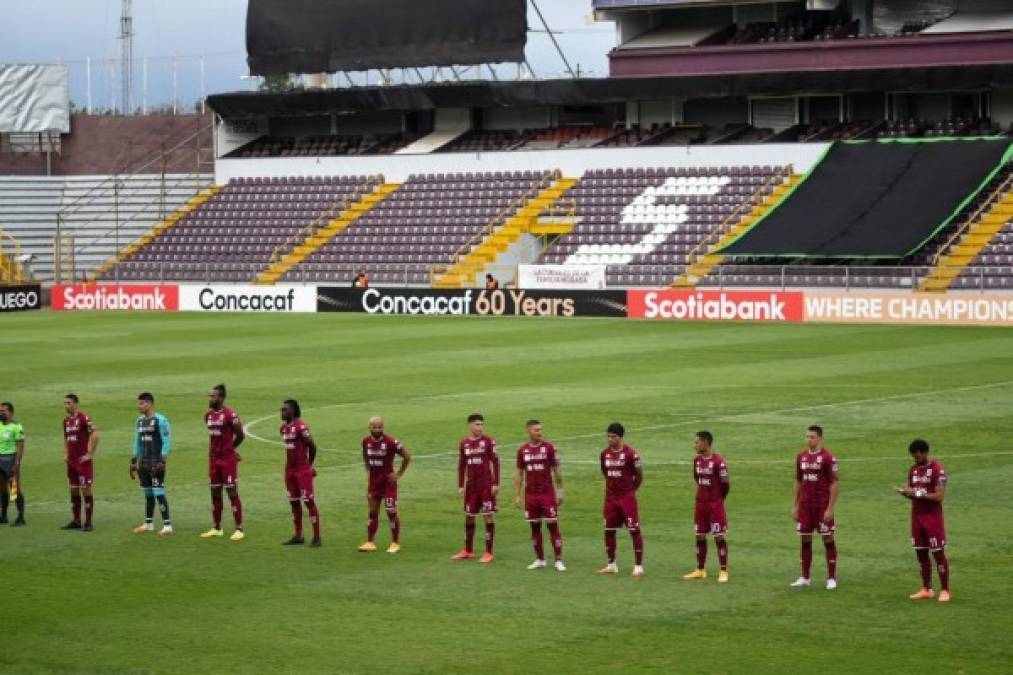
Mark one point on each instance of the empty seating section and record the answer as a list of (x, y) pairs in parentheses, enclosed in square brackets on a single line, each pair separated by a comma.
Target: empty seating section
[(420, 225), (487, 140), (993, 267), (643, 223), (314, 146), (582, 136), (813, 276), (233, 235)]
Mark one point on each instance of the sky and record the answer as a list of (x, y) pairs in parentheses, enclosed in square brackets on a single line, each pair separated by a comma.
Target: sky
[(72, 31)]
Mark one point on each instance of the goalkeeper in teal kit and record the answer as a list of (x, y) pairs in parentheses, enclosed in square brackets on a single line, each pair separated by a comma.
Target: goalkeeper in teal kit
[(151, 448)]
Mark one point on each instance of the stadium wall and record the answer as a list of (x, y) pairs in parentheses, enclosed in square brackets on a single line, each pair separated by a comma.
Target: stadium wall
[(570, 162)]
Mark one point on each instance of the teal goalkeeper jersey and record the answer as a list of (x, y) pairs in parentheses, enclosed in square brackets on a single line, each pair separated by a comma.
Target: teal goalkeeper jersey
[(10, 434)]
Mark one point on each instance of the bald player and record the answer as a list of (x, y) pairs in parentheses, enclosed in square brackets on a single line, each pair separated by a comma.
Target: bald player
[(378, 451)]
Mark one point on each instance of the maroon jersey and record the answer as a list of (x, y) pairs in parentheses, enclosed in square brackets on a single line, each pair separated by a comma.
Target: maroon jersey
[(378, 453), (537, 462), (222, 425), (926, 477), (816, 471), (76, 430), (619, 467), (297, 448), (709, 473), (478, 461)]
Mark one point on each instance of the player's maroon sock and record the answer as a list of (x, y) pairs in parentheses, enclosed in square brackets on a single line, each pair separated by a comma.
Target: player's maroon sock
[(807, 557), (395, 526), (638, 546), (926, 566), (943, 567), (469, 536), (557, 540), (722, 545), (701, 553), (75, 508), (311, 506), (610, 545), (237, 510), (831, 547), (371, 526), (537, 541), (297, 518), (89, 508), (490, 535), (217, 506)]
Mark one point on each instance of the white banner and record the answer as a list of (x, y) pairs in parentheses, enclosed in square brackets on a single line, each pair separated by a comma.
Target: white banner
[(248, 298), (34, 98), (555, 277)]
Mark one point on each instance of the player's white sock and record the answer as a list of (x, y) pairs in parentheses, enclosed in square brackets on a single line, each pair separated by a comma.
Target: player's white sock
[(801, 582), (560, 566), (537, 565), (831, 584)]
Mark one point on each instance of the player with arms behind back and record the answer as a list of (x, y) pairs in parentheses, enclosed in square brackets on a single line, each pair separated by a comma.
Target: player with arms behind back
[(225, 434), (478, 483), (620, 465), (816, 490), (300, 453), (712, 485), (151, 449), (12, 452), (537, 466), (926, 487), (80, 443), (378, 452)]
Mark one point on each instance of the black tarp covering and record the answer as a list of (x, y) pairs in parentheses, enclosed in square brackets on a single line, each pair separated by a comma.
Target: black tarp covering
[(592, 91), (873, 200), (315, 36)]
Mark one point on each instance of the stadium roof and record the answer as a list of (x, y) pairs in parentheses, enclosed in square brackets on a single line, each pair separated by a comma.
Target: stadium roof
[(468, 94)]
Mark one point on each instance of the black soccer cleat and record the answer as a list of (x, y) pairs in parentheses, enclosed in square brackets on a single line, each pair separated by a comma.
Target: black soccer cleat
[(87, 527), (72, 525), (19, 522), (316, 543), (294, 541)]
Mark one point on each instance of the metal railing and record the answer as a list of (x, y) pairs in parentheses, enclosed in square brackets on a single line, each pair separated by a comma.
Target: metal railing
[(975, 216), (12, 270)]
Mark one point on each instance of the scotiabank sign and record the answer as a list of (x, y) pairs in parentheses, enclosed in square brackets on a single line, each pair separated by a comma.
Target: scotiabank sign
[(82, 297), (716, 305), (271, 299)]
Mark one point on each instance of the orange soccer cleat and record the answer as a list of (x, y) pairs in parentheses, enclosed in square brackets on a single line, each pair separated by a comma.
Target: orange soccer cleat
[(944, 596), (463, 555), (923, 594), (486, 558)]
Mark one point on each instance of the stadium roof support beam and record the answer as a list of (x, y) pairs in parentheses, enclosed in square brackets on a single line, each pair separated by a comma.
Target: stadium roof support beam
[(552, 37)]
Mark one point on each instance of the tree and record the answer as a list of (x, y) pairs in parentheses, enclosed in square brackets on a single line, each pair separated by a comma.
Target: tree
[(276, 83)]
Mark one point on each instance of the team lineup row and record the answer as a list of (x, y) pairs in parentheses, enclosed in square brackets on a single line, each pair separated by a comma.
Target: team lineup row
[(538, 486)]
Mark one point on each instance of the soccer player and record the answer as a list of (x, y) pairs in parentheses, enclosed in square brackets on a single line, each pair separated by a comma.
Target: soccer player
[(225, 434), (620, 465), (926, 487), (300, 452), (80, 444), (537, 466), (12, 451), (478, 483), (712, 485), (378, 451), (151, 449), (816, 490)]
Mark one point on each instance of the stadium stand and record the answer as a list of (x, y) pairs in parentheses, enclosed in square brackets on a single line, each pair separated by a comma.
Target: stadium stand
[(324, 145), (233, 236)]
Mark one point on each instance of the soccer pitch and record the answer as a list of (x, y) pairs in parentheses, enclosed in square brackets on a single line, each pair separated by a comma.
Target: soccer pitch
[(113, 602)]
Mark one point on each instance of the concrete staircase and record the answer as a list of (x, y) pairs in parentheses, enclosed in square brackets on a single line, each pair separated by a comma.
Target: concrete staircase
[(966, 247), (316, 238), (704, 264), (525, 219)]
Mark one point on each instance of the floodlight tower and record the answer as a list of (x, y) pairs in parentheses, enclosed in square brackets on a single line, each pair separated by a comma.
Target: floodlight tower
[(127, 56)]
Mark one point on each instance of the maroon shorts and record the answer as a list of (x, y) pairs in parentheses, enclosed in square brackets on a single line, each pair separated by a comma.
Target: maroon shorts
[(80, 475), (928, 531), (223, 471), (387, 492), (299, 483), (810, 519), (710, 518), (479, 501), (621, 511), (540, 507)]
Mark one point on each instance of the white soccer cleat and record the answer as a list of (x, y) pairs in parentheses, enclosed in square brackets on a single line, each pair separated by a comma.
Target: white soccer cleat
[(560, 567), (537, 565), (611, 568), (801, 582), (638, 571), (831, 584), (165, 531)]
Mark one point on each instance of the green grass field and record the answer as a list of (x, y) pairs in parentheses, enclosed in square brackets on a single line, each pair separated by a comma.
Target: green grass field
[(112, 602)]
